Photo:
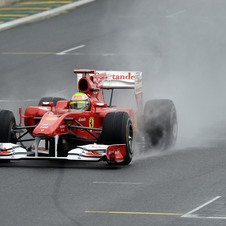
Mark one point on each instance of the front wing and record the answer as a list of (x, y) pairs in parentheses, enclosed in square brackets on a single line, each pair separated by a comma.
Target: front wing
[(91, 153)]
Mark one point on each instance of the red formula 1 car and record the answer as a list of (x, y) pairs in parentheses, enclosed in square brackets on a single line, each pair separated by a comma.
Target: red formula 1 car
[(86, 128)]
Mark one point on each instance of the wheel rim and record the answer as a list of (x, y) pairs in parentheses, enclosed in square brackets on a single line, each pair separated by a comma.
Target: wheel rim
[(130, 137)]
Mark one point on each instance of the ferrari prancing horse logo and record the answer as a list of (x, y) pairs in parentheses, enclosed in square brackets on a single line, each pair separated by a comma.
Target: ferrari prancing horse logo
[(91, 123)]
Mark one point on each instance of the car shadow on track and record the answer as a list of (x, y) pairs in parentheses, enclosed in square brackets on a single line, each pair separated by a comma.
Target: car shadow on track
[(60, 164)]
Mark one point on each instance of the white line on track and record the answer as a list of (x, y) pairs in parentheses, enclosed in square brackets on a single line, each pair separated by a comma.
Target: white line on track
[(69, 50), (191, 214), (123, 183), (175, 14), (105, 54)]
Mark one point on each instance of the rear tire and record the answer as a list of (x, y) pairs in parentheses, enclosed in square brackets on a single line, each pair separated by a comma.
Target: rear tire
[(118, 129), (160, 124), (50, 99)]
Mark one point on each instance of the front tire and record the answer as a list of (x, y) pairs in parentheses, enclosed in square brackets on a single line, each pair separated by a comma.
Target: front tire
[(7, 123), (118, 129)]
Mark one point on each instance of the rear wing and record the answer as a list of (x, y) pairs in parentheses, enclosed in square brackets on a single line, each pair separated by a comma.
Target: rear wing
[(116, 80), (113, 79), (120, 79)]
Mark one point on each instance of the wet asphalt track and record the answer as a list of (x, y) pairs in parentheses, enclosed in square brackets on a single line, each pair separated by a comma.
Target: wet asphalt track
[(180, 47)]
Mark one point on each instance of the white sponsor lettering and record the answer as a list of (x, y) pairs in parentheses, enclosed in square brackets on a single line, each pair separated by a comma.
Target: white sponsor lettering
[(82, 119)]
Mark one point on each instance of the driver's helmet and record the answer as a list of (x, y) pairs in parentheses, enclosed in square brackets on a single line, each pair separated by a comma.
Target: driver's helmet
[(80, 101)]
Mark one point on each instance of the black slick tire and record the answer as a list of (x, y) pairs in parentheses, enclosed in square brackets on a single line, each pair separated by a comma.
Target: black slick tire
[(160, 124), (7, 123), (118, 129)]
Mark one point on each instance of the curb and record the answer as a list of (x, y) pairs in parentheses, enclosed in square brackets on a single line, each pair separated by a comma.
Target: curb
[(43, 15), (7, 2)]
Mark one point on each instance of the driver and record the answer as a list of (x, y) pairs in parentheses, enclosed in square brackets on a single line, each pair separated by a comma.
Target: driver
[(80, 101)]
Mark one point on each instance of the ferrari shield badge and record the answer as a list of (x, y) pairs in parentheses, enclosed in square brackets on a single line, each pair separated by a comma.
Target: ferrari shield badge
[(91, 123)]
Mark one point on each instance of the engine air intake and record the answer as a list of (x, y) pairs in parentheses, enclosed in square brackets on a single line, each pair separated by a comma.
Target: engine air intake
[(83, 85)]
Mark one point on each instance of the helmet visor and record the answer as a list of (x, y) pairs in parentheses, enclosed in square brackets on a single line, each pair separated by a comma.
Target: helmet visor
[(79, 105)]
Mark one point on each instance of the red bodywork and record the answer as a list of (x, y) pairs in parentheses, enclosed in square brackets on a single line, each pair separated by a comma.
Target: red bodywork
[(52, 118), (59, 132), (53, 121)]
